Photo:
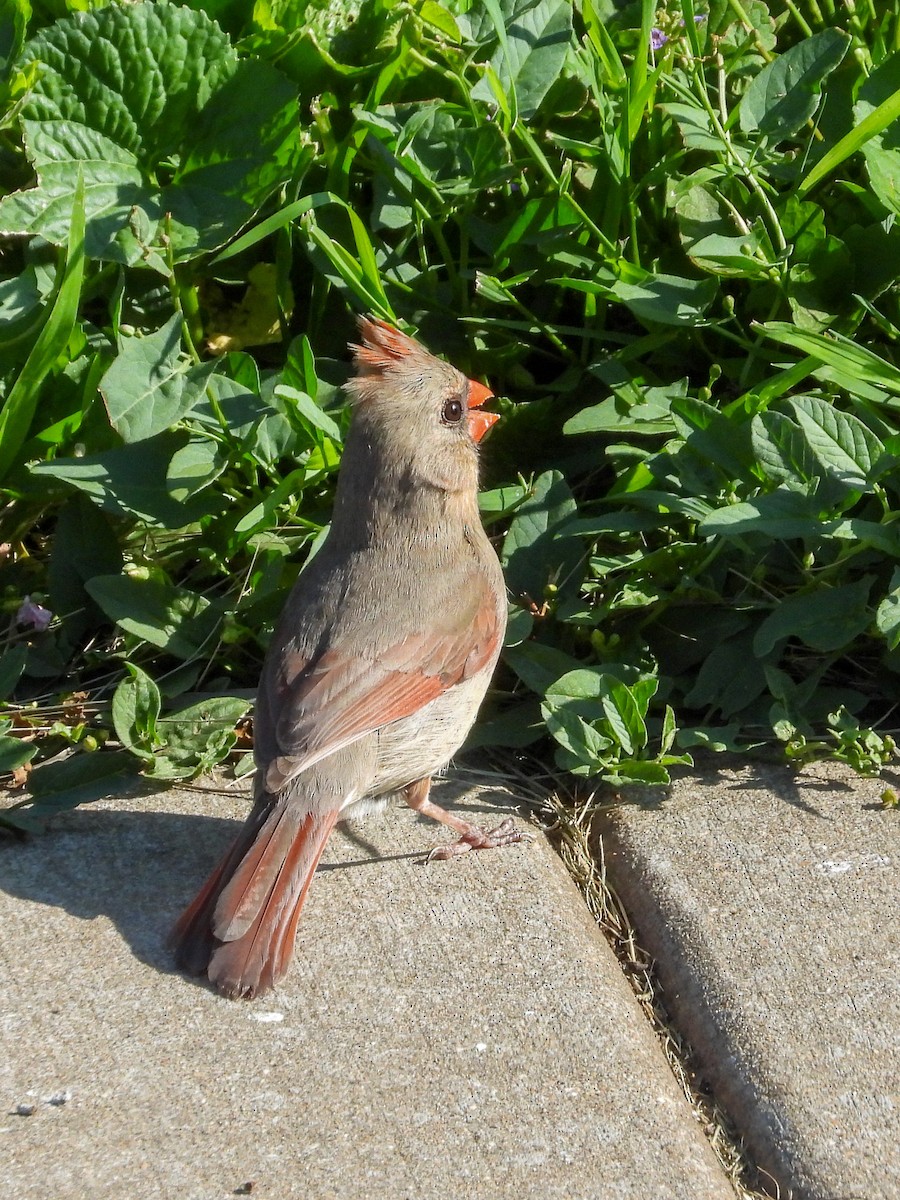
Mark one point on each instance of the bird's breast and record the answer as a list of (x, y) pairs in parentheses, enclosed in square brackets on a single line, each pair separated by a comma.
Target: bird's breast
[(423, 743)]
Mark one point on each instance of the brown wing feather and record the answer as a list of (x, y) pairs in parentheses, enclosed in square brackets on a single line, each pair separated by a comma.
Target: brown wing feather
[(341, 698)]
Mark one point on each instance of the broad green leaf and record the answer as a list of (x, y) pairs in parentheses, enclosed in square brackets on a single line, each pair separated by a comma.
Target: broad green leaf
[(130, 481), (781, 514), (577, 735), (583, 683), (723, 441), (15, 752), (887, 615), (80, 779), (623, 712), (710, 233), (534, 554), (782, 449), (194, 467), (21, 309), (179, 621), (785, 93), (147, 388), (539, 665), (877, 112), (136, 706), (869, 124), (518, 726), (500, 502), (656, 298), (12, 664), (530, 55), (826, 619), (712, 738), (644, 771), (730, 678), (150, 103), (204, 727), (438, 16), (214, 712), (84, 544), (846, 448), (22, 399)]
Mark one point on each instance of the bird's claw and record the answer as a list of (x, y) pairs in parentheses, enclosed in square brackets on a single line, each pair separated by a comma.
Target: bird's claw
[(475, 838)]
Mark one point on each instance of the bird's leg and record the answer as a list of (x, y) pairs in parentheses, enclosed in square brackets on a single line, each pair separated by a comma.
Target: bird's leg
[(472, 836)]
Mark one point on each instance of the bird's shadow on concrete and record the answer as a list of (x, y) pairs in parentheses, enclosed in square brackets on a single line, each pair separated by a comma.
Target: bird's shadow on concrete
[(139, 868)]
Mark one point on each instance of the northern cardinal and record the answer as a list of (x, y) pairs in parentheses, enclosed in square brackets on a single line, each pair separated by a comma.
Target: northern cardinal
[(379, 662)]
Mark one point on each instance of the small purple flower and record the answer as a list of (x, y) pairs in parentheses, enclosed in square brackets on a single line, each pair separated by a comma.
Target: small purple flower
[(33, 614), (657, 39)]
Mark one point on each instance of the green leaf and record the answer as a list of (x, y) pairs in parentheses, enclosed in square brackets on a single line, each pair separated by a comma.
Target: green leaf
[(730, 678), (531, 53), (203, 725), (22, 400), (624, 714), (826, 619), (130, 481), (150, 103), (655, 298), (710, 234), (780, 514), (877, 117), (533, 552), (194, 467), (84, 544), (653, 774), (722, 441), (146, 388), (12, 664), (887, 615), (179, 621), (882, 90), (847, 449), (782, 449), (310, 411), (136, 706), (14, 752), (80, 779), (603, 44), (785, 93), (438, 16), (539, 665), (578, 736)]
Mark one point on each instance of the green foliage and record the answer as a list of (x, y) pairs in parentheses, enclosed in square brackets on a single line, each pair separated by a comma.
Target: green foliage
[(667, 236)]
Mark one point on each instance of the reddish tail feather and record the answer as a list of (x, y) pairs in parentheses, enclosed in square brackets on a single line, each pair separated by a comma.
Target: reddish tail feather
[(240, 928)]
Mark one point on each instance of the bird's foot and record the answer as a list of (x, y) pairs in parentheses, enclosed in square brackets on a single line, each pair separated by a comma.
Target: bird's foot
[(475, 838)]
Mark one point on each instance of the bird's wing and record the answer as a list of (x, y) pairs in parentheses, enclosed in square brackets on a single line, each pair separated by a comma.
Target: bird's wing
[(341, 697)]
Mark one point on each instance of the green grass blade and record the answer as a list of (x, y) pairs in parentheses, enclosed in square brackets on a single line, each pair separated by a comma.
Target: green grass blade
[(876, 122), (18, 411), (836, 351)]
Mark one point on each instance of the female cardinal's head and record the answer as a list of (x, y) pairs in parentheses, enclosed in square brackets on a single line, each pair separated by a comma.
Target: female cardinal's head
[(420, 409)]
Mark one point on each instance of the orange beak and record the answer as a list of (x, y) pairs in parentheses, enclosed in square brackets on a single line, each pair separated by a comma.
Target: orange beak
[(479, 422)]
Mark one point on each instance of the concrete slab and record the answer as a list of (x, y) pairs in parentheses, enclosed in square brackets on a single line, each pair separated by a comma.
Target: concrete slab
[(771, 902), (453, 1030)]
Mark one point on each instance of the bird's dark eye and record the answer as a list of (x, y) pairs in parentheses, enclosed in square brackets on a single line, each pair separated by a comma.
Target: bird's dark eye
[(452, 412)]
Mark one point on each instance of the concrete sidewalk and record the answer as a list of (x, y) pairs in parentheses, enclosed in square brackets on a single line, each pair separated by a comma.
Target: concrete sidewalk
[(456, 1030), (771, 902)]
